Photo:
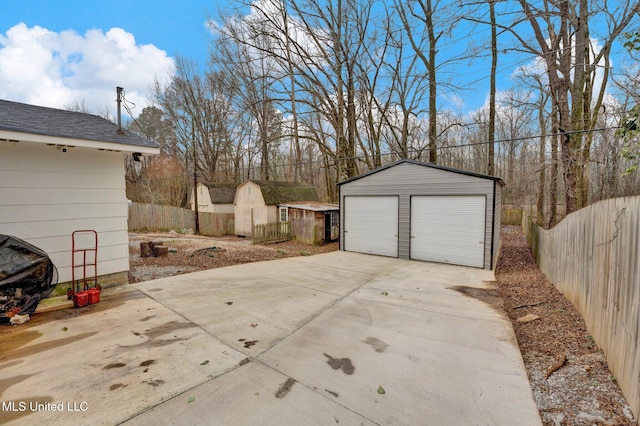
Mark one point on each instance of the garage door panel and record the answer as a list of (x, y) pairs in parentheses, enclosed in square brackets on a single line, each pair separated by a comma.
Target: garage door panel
[(448, 229), (371, 225)]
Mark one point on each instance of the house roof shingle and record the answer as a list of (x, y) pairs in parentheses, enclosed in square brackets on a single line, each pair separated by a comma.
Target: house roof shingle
[(278, 192), (222, 193), (24, 118)]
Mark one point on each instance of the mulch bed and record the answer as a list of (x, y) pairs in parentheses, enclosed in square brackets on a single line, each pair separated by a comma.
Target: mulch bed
[(568, 373)]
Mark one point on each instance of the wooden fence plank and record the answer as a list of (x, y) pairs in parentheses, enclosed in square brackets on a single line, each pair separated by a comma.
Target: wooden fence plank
[(154, 217), (271, 232), (511, 215)]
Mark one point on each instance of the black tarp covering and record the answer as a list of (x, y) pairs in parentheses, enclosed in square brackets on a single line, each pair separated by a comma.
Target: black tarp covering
[(27, 275)]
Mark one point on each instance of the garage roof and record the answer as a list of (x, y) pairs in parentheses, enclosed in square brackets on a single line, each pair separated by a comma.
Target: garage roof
[(420, 163)]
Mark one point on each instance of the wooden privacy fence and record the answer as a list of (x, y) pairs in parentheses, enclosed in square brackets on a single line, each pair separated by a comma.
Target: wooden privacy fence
[(307, 231), (155, 217), (271, 232), (511, 215), (593, 258)]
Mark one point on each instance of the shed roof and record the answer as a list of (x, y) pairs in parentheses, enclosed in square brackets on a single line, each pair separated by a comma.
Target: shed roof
[(278, 192), (221, 193), (312, 205), (32, 119), (420, 163)]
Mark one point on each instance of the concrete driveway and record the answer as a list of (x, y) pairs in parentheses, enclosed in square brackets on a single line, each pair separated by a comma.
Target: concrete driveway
[(334, 338)]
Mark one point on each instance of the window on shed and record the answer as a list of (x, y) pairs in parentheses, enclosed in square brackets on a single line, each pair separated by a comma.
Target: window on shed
[(284, 214), (335, 219)]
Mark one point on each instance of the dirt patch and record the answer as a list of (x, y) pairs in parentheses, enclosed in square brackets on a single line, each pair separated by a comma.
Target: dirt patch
[(568, 373), (489, 296), (191, 253)]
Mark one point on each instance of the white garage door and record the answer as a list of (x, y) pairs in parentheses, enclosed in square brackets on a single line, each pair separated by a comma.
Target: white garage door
[(371, 225), (448, 229)]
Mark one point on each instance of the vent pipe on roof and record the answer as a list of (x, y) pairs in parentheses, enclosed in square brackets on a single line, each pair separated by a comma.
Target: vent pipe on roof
[(119, 91)]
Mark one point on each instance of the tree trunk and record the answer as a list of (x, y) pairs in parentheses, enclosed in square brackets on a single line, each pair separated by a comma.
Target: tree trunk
[(553, 182), (541, 163), (492, 92), (431, 69)]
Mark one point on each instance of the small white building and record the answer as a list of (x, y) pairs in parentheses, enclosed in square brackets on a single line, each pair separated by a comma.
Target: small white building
[(214, 197), (256, 202), (62, 171)]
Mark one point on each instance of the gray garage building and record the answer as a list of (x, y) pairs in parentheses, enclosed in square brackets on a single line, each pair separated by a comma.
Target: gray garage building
[(414, 210)]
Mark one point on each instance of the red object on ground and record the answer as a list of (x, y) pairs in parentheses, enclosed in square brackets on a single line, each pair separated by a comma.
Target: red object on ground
[(80, 299), (94, 295)]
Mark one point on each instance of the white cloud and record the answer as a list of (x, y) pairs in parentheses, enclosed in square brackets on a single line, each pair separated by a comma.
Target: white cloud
[(454, 100), (268, 17), (537, 67), (42, 67)]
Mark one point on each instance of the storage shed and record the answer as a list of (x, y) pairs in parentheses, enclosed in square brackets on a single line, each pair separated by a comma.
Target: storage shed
[(256, 202), (415, 210), (214, 197), (312, 222)]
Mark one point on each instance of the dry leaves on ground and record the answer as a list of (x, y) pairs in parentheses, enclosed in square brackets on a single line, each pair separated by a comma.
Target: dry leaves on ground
[(190, 253), (569, 376)]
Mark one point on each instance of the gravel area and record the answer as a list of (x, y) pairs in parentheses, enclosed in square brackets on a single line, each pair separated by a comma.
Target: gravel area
[(190, 253)]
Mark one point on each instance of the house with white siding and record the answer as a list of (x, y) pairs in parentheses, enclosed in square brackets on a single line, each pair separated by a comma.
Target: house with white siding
[(63, 171)]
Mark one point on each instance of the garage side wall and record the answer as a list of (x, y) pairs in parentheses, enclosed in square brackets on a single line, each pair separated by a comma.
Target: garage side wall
[(405, 180), (497, 223), (46, 194)]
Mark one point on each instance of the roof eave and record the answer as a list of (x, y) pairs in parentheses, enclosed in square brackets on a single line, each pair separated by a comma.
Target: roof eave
[(420, 163), (72, 142)]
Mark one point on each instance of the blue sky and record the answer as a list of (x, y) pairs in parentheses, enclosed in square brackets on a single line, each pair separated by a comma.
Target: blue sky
[(59, 53), (176, 27), (41, 61), (52, 58)]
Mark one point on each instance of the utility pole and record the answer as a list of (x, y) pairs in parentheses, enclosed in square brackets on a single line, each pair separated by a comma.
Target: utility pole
[(195, 180), (119, 91)]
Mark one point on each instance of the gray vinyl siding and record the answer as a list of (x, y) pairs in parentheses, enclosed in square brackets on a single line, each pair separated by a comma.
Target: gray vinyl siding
[(497, 223), (407, 179)]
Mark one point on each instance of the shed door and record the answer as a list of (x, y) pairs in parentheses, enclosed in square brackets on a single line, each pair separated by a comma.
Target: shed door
[(448, 229), (371, 225)]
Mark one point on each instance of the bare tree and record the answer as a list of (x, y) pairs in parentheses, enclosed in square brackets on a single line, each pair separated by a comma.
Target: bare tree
[(320, 50), (562, 39), (425, 22), (199, 110)]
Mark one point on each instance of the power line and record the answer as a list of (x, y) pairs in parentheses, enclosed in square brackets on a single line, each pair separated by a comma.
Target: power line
[(426, 149), (127, 107)]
